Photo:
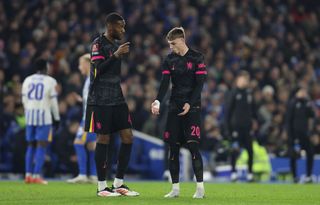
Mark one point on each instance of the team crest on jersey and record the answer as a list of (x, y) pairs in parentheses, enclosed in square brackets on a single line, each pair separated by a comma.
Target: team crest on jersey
[(98, 124), (172, 68), (189, 65), (238, 96)]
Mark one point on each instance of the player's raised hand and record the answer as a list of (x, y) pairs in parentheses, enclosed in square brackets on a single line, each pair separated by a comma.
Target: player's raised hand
[(185, 108), (155, 107), (123, 49)]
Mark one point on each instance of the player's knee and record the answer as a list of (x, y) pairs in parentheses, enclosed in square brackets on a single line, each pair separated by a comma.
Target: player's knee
[(127, 140), (174, 151), (42, 143), (78, 141), (91, 146), (194, 150), (32, 144), (193, 146), (103, 139), (126, 136)]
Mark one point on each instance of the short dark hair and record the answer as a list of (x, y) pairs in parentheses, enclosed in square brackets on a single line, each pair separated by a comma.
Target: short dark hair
[(113, 18), (176, 32), (40, 64)]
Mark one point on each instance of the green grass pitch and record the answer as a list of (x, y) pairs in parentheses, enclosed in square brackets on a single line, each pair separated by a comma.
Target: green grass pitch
[(151, 193)]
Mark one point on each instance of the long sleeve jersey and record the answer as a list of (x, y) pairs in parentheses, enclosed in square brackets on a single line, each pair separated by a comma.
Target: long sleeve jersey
[(298, 114), (240, 109), (105, 73), (188, 74)]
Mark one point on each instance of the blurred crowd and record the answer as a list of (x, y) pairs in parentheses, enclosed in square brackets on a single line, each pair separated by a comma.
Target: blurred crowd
[(276, 41)]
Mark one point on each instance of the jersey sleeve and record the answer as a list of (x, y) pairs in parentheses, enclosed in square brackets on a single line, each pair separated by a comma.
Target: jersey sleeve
[(201, 69), (53, 91), (101, 59), (165, 80), (54, 101), (201, 75), (24, 92), (97, 52)]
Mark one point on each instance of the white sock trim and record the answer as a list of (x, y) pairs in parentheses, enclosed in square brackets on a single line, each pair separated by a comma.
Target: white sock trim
[(117, 182), (102, 185), (36, 176), (176, 186), (200, 185)]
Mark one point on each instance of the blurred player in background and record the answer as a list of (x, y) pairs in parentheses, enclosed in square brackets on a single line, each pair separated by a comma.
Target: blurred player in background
[(300, 120), (39, 98), (107, 112), (240, 114), (187, 71), (85, 138)]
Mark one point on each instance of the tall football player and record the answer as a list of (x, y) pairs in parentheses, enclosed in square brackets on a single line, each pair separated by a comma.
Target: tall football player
[(39, 98)]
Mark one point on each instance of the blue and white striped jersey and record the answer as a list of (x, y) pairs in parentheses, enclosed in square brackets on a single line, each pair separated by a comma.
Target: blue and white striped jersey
[(39, 98)]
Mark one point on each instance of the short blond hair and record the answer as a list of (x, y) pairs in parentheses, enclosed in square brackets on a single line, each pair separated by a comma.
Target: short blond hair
[(176, 32), (86, 57)]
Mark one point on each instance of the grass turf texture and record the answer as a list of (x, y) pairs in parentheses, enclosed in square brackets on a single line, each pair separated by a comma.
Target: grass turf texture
[(151, 193)]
